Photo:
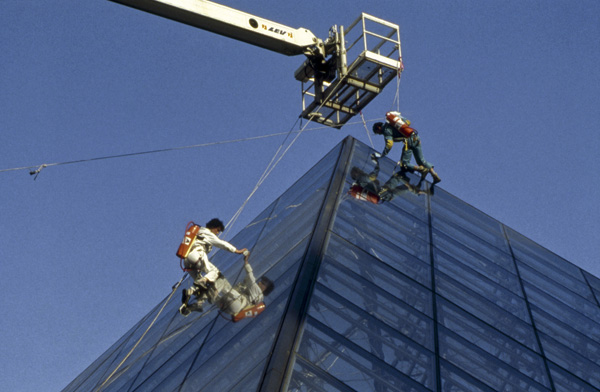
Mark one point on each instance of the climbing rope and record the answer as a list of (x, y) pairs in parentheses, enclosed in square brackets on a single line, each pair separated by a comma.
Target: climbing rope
[(272, 165), (397, 96), (162, 340), (175, 287), (263, 177), (367, 130), (36, 169)]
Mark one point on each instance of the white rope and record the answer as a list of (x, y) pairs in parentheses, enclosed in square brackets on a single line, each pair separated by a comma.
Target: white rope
[(270, 168), (144, 334), (263, 177), (38, 168), (397, 96), (367, 130), (266, 173)]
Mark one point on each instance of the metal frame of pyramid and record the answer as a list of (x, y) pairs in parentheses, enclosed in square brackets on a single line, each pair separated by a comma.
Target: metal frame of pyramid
[(421, 292)]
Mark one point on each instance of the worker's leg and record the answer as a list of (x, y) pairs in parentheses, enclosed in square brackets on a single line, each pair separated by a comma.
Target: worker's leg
[(198, 260), (218, 289), (192, 268), (428, 167), (211, 273), (436, 177), (414, 145), (194, 307), (405, 160)]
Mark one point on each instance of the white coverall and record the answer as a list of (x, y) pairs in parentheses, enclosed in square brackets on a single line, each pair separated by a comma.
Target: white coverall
[(234, 300), (197, 260)]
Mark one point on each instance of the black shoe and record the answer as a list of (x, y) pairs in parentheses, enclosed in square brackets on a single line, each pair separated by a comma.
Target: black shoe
[(183, 310), (185, 297)]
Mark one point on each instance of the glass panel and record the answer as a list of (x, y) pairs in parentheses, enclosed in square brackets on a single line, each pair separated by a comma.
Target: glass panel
[(380, 339), (561, 312), (113, 370), (566, 382), (173, 353), (366, 219), (481, 285), (295, 213), (369, 296), (558, 291), (386, 248), (566, 335), (526, 249), (222, 334), (594, 283), (157, 343), (349, 363), (226, 341), (249, 379), (552, 274), (455, 380), (573, 362), (475, 244), (493, 342), (486, 310), (445, 207), (309, 378), (340, 254), (364, 172), (482, 366), (499, 269), (171, 371), (101, 368), (237, 355)]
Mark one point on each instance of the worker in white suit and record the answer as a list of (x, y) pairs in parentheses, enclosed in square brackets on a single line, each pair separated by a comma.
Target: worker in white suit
[(197, 263)]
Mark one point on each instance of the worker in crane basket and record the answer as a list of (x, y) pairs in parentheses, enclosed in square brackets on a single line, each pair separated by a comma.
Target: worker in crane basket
[(397, 129), (245, 295), (196, 262)]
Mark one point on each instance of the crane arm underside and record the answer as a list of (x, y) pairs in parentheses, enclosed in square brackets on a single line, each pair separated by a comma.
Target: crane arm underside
[(231, 23), (333, 88)]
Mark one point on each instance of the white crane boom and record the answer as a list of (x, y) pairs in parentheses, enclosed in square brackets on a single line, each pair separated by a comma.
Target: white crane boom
[(231, 23), (333, 89)]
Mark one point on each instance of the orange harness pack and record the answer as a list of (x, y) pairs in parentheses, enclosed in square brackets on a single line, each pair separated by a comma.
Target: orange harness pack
[(399, 124), (250, 311), (359, 193), (191, 231)]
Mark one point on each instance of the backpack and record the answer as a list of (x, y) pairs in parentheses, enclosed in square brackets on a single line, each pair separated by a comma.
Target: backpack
[(400, 123), (191, 231)]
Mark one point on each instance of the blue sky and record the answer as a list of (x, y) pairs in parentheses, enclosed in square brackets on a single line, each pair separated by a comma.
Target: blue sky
[(505, 95)]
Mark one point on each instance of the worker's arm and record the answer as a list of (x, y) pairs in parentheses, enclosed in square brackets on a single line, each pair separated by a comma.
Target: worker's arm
[(250, 279), (389, 143), (254, 293), (222, 244)]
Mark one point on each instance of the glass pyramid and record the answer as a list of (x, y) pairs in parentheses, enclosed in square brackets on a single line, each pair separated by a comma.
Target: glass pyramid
[(420, 292)]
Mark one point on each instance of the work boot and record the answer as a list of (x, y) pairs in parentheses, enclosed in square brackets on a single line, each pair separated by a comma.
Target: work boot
[(384, 194), (423, 170), (185, 296), (183, 310), (195, 307), (435, 176)]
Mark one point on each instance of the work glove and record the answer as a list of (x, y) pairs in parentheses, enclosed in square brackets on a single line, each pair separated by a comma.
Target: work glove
[(375, 156)]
